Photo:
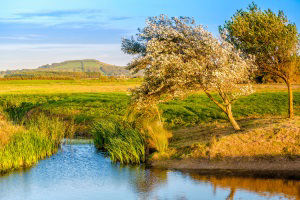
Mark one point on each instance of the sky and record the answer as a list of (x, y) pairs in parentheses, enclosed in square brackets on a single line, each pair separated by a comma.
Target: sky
[(37, 32)]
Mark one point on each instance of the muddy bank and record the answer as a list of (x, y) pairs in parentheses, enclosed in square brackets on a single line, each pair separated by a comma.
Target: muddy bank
[(265, 168)]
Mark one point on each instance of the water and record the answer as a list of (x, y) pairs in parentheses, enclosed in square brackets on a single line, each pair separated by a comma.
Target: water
[(80, 172)]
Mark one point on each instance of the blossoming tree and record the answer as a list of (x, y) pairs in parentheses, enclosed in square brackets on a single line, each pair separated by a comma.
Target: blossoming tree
[(179, 58)]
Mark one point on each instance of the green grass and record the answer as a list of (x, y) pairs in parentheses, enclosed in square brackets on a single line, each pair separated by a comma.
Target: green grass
[(123, 143), (198, 108), (47, 110), (38, 138), (67, 86), (87, 108)]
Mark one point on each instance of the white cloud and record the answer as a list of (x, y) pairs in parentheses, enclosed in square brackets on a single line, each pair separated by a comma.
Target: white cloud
[(19, 56), (22, 37), (71, 19)]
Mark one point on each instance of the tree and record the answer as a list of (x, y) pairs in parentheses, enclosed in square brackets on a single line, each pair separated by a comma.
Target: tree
[(179, 58), (271, 38)]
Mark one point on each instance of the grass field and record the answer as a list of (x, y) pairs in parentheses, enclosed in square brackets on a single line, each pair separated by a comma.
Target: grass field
[(86, 102), (81, 104), (65, 86), (94, 85)]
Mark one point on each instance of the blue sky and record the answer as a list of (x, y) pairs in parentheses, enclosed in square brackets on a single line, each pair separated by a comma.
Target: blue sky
[(37, 32)]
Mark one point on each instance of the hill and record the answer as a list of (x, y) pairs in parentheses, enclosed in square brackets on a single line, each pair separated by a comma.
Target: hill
[(69, 68)]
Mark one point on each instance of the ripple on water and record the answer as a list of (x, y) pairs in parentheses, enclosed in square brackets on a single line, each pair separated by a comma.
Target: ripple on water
[(81, 172)]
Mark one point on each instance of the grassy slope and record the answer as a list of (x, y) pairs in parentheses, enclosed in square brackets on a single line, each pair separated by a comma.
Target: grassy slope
[(88, 65), (266, 147)]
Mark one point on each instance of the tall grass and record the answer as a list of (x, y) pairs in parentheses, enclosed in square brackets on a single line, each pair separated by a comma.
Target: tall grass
[(38, 138), (150, 123), (157, 136), (123, 143)]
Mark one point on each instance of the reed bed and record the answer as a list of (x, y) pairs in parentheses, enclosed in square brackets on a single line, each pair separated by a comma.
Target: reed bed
[(26, 144), (123, 143)]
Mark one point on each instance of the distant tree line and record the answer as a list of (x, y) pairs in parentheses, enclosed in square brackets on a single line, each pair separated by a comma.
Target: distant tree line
[(49, 75)]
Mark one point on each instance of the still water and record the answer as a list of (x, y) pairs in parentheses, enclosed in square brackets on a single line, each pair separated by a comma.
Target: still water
[(80, 172)]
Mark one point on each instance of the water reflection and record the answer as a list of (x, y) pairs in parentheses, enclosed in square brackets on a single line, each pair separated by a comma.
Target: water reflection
[(143, 181), (263, 187), (80, 172)]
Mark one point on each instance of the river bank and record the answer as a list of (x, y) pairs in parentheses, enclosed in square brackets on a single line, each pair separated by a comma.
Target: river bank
[(266, 147), (23, 145), (195, 122), (79, 171), (273, 168)]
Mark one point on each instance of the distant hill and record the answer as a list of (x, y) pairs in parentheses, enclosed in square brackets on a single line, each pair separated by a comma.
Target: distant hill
[(89, 66)]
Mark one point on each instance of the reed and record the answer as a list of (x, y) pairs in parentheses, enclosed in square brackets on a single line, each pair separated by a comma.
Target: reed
[(123, 143), (157, 136), (38, 138)]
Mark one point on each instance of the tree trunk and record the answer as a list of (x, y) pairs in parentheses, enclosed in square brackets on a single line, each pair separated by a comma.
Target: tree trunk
[(231, 194), (231, 118), (226, 109), (290, 91)]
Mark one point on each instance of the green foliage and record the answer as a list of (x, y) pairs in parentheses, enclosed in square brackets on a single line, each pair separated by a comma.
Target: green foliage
[(52, 127), (271, 37), (123, 143)]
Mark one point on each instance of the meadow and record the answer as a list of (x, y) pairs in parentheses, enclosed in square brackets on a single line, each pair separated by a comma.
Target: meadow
[(81, 104), (88, 101)]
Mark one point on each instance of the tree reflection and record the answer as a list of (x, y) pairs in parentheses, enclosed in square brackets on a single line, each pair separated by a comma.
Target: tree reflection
[(264, 187), (144, 181)]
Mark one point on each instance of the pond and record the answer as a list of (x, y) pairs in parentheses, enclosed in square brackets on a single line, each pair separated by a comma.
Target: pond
[(81, 172)]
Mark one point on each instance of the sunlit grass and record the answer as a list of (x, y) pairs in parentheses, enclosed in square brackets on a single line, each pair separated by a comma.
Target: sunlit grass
[(270, 141), (65, 86), (259, 137), (84, 109), (38, 138), (72, 103), (95, 85), (123, 143)]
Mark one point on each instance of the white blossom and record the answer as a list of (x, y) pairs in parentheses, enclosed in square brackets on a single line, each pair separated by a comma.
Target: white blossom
[(179, 57)]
